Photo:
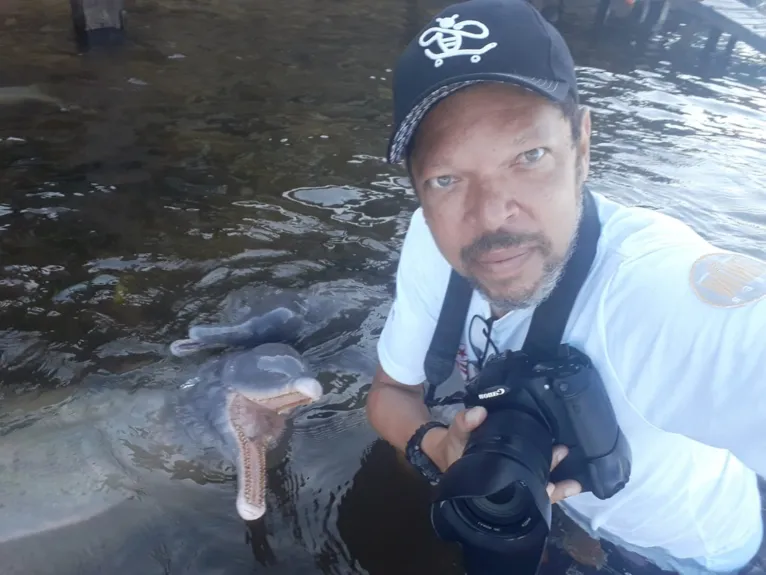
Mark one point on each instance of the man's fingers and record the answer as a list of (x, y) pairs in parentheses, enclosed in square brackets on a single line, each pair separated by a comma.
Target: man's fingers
[(563, 489), (559, 453)]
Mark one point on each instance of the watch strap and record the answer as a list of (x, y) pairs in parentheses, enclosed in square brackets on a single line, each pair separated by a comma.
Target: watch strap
[(418, 458)]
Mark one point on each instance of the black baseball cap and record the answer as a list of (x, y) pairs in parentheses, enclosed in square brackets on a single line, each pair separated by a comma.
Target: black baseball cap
[(476, 41)]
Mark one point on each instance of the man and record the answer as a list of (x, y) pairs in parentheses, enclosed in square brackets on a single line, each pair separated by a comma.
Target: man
[(489, 125)]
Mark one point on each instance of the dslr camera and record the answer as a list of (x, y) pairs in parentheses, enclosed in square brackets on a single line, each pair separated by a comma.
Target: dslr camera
[(493, 499)]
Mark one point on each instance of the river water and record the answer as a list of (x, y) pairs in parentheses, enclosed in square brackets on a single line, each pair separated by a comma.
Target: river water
[(235, 142)]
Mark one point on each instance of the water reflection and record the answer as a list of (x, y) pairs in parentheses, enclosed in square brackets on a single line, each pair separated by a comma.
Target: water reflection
[(233, 144)]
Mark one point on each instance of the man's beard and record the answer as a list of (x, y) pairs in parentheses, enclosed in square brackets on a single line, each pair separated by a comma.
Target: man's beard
[(553, 266)]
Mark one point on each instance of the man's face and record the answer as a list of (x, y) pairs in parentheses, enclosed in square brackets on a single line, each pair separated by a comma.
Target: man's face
[(500, 182)]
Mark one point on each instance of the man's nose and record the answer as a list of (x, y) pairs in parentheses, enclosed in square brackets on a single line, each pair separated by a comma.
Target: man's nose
[(492, 204)]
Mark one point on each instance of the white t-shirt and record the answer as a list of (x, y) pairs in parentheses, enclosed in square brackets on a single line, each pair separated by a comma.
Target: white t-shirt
[(677, 330)]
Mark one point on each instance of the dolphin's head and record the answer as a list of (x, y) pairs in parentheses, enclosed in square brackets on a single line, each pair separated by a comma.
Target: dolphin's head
[(244, 397)]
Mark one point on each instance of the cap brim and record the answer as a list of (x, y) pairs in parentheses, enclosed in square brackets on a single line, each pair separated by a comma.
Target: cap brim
[(556, 91)]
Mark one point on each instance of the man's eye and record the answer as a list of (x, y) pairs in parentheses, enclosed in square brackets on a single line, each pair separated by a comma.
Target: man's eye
[(533, 155), (441, 181)]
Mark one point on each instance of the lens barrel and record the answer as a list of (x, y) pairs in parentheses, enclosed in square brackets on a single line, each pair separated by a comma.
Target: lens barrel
[(493, 499)]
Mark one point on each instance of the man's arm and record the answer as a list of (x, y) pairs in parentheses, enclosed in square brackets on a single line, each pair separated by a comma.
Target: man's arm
[(396, 411), (395, 406)]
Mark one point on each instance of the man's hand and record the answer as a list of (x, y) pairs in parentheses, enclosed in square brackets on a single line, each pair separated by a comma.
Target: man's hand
[(445, 446), (562, 489)]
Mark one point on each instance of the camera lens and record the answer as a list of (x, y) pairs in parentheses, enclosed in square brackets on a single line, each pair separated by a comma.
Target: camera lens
[(504, 508), (493, 500), (503, 496)]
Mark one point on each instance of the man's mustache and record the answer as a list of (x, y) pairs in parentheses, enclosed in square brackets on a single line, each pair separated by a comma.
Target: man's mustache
[(501, 239)]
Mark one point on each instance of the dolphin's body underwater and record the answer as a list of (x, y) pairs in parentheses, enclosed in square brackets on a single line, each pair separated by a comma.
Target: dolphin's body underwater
[(116, 453)]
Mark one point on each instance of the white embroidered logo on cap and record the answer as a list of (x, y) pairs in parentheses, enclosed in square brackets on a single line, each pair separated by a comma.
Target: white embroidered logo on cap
[(449, 37)]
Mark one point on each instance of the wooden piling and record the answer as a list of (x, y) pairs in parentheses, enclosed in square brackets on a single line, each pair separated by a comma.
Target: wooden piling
[(733, 17), (98, 22), (712, 40), (728, 16)]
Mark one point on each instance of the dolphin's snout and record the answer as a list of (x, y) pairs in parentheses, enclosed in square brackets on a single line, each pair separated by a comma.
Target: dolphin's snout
[(309, 387), (255, 424), (249, 511), (185, 347), (263, 386)]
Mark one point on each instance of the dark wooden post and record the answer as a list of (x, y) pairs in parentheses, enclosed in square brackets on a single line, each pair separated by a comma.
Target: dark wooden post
[(688, 32), (98, 22), (662, 16), (602, 13), (712, 41)]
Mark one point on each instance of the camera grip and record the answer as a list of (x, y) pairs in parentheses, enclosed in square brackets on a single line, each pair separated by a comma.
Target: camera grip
[(609, 474), (573, 466), (599, 457), (602, 476)]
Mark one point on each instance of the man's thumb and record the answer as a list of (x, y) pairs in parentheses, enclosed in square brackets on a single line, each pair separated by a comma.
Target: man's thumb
[(472, 418)]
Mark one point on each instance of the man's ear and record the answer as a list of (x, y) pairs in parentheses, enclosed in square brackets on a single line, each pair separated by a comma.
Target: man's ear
[(411, 176), (583, 151)]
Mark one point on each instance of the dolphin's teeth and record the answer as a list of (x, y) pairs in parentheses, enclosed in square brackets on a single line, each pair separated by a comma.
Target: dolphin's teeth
[(251, 477)]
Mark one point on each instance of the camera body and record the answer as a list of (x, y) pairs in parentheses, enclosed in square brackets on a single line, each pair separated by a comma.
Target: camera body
[(569, 398), (493, 499)]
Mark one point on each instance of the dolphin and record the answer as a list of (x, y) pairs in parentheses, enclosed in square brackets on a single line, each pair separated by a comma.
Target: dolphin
[(236, 404), (99, 476)]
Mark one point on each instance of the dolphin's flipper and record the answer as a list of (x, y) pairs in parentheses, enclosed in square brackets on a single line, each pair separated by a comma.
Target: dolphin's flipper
[(280, 324), (260, 314), (184, 347)]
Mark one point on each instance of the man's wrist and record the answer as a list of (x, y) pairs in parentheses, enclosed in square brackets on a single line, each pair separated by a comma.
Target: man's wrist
[(418, 457), (431, 446)]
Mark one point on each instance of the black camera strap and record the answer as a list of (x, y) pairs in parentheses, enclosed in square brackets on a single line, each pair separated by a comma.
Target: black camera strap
[(549, 319), (440, 358)]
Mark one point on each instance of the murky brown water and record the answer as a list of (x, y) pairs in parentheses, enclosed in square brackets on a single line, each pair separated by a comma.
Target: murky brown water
[(239, 142)]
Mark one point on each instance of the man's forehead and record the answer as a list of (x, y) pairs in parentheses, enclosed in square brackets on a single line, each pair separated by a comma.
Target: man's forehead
[(488, 97), (536, 122)]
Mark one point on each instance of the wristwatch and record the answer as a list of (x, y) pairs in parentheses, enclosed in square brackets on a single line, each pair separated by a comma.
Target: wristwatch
[(417, 457)]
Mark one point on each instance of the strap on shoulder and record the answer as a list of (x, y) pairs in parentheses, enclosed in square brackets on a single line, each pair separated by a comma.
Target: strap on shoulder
[(550, 318), (440, 358)]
